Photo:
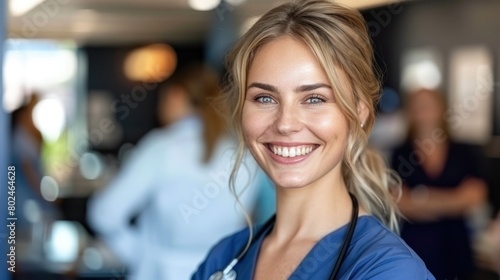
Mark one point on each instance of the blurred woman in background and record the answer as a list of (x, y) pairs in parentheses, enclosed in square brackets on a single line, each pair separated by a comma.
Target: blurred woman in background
[(27, 143), (176, 184), (443, 182)]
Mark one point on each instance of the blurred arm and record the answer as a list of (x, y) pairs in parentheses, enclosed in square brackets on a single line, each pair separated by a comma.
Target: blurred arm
[(435, 203), (110, 211)]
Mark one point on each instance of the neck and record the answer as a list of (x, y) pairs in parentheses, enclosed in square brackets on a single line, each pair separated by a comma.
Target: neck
[(313, 211), (181, 115)]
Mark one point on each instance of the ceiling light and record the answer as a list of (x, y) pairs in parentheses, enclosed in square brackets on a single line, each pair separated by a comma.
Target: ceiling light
[(18, 8), (204, 5), (153, 63), (235, 2), (365, 4)]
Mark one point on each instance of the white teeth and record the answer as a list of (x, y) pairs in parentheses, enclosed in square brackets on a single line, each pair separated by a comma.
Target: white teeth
[(285, 152), (291, 151)]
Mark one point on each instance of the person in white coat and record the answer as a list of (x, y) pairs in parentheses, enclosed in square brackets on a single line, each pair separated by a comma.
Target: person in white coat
[(176, 183)]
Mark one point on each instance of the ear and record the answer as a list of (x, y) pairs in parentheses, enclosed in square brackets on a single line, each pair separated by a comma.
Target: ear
[(363, 112)]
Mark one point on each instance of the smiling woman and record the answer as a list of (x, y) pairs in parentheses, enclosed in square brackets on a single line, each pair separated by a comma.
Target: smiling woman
[(289, 107), (302, 94)]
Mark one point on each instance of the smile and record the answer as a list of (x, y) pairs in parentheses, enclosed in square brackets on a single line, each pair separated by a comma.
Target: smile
[(291, 152)]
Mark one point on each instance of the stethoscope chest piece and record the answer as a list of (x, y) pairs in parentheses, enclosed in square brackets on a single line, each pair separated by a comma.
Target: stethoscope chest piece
[(219, 275)]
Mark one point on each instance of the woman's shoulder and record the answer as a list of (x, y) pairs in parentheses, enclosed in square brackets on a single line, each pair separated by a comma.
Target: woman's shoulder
[(382, 254), (222, 254), (370, 228)]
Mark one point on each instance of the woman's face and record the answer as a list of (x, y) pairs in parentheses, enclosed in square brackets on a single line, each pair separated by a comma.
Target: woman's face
[(291, 122), (173, 104), (426, 112)]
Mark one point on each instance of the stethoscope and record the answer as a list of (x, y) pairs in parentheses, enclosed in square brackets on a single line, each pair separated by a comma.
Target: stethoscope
[(228, 272)]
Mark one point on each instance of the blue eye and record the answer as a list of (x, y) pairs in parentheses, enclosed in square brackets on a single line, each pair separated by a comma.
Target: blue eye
[(315, 100), (264, 99)]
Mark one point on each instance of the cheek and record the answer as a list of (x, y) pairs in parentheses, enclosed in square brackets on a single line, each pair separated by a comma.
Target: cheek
[(252, 124), (329, 126)]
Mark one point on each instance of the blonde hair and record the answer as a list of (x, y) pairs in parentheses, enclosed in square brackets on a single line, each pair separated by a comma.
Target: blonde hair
[(339, 39)]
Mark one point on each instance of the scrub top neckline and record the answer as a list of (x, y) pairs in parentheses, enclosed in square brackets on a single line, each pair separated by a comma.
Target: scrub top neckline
[(311, 251)]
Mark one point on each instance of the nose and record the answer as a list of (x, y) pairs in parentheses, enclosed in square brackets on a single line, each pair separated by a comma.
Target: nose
[(288, 120)]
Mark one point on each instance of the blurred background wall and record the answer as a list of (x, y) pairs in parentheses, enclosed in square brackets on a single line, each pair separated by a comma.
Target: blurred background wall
[(96, 66)]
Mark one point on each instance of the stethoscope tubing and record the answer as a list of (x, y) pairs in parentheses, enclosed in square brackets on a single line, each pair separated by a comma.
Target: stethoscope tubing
[(229, 274), (347, 241)]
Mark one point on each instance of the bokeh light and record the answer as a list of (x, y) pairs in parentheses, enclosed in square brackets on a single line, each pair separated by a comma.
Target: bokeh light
[(50, 118), (93, 258), (63, 244), (152, 63), (91, 166), (49, 188)]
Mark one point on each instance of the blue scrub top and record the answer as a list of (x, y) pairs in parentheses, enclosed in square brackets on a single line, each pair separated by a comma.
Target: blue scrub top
[(375, 253)]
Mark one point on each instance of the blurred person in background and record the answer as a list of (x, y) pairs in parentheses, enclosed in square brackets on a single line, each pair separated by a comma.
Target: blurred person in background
[(489, 247), (442, 183), (27, 144), (176, 183)]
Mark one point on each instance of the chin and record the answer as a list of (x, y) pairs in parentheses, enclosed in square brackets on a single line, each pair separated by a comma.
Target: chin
[(287, 182)]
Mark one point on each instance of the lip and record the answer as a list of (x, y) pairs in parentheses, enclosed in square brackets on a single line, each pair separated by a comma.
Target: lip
[(291, 144), (288, 160)]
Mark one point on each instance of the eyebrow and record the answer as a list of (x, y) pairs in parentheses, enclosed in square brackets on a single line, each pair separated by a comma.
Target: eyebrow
[(302, 88), (311, 87), (267, 87)]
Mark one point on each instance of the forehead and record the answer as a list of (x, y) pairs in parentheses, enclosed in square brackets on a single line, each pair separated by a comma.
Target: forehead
[(286, 59), (425, 97)]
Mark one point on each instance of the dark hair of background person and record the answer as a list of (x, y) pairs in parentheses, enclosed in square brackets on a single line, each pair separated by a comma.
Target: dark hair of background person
[(23, 116)]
